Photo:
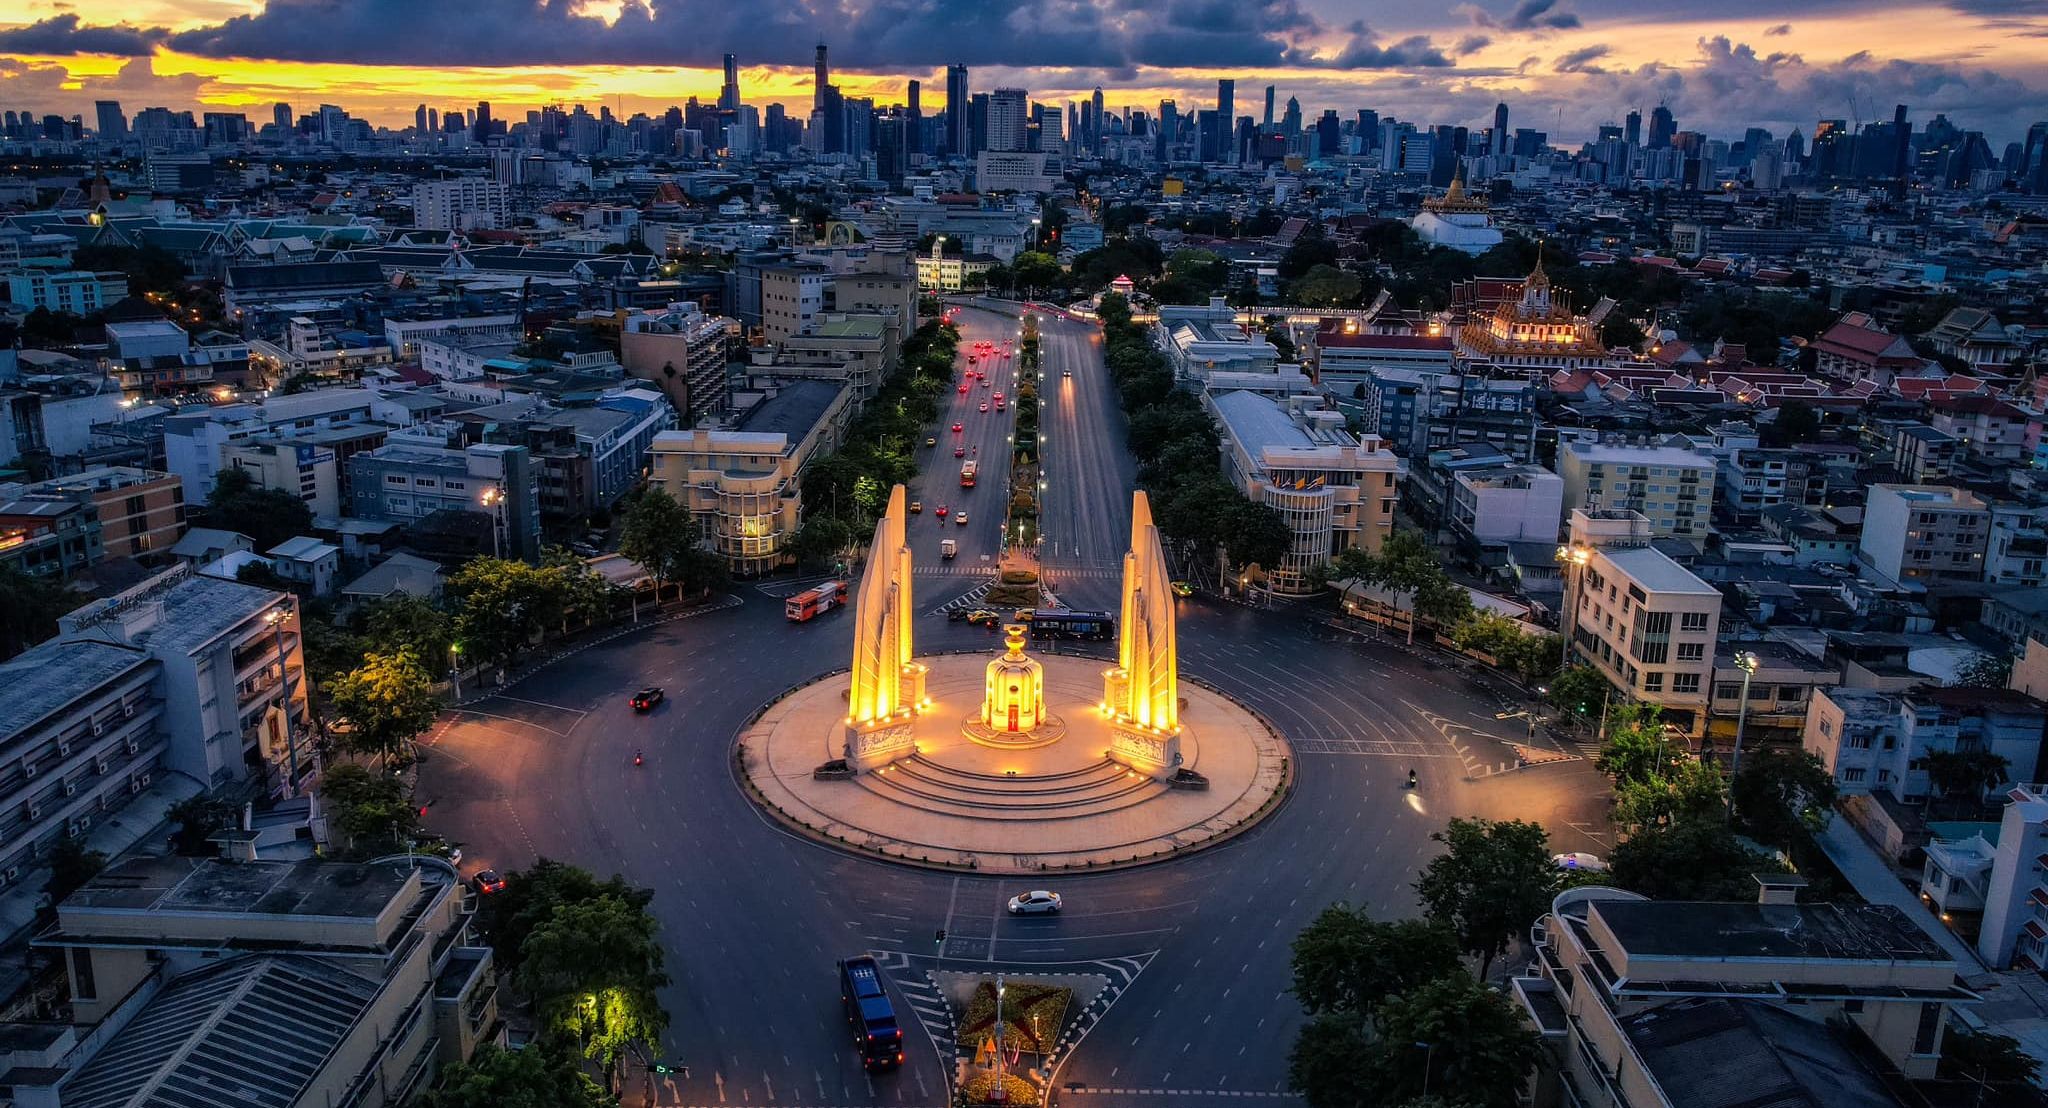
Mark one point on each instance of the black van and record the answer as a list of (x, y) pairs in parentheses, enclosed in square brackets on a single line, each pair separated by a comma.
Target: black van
[(876, 1034)]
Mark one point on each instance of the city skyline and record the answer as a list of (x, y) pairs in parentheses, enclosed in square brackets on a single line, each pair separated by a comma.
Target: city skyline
[(1556, 61)]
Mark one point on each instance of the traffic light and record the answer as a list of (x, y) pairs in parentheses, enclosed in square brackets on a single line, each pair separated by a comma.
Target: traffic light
[(939, 937), (660, 1068)]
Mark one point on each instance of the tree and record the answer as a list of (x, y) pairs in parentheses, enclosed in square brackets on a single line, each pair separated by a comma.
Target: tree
[(1579, 690), (1325, 286), (819, 538), (501, 605), (1697, 860), (1986, 1056), (1685, 789), (1035, 270), (1963, 774), (592, 970), (1636, 750), (29, 607), (387, 702), (72, 864), (268, 516), (1252, 533), (1346, 961), (1470, 1040), (197, 817), (1796, 422), (658, 533), (370, 810), (1327, 1063), (1781, 793), (1407, 564), (408, 623), (536, 1077), (149, 268), (1308, 252), (1495, 876), (1985, 671), (531, 896)]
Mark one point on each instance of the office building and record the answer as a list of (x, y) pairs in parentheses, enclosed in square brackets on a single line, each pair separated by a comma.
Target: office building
[(409, 484), (741, 483), (958, 144), (309, 471), (110, 123), (461, 204), (1924, 533), (75, 291), (1335, 491), (1648, 625), (1200, 340), (1670, 1004), (1506, 502), (141, 512), (792, 294), (249, 982)]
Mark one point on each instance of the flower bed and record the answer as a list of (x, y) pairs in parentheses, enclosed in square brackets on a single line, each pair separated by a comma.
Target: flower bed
[(979, 1086), (1029, 1012)]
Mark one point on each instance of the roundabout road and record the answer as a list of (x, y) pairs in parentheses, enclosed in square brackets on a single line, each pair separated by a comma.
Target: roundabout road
[(754, 917)]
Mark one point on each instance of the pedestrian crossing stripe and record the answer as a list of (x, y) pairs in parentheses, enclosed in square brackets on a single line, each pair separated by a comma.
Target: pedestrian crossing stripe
[(911, 974)]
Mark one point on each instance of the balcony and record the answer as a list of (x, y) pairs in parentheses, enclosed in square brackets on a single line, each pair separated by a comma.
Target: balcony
[(1542, 1005)]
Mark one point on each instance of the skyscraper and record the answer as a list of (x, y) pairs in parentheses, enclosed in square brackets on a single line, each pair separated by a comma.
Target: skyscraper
[(956, 112), (281, 114), (480, 125), (419, 119), (820, 78), (913, 118), (1008, 112), (1500, 128), (1269, 108), (1095, 136), (109, 120), (729, 95), (1632, 130), (1662, 127), (1169, 130), (433, 120), (1226, 113)]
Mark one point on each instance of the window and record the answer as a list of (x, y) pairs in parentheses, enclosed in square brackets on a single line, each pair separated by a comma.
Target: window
[(1685, 682), (394, 479), (1729, 690), (1691, 651), (1653, 681), (1692, 621), (1930, 1027), (1853, 775), (83, 986)]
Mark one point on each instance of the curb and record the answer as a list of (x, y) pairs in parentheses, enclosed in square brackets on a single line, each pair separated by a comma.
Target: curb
[(730, 600)]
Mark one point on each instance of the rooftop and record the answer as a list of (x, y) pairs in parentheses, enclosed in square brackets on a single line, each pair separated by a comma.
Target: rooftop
[(335, 890), (1694, 930), (45, 679), (794, 410), (1638, 455), (1719, 1053), (1654, 570)]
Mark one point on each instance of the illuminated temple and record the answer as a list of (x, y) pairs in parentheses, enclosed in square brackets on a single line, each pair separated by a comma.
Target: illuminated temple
[(1536, 330), (1458, 220)]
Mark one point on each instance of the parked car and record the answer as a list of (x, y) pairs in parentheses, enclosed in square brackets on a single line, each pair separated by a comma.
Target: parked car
[(1035, 903), (487, 882), (1591, 863)]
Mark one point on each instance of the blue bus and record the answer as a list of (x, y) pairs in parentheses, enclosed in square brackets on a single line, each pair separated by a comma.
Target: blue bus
[(1060, 623)]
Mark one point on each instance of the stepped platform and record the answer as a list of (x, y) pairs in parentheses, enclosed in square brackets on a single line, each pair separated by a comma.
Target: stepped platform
[(956, 803)]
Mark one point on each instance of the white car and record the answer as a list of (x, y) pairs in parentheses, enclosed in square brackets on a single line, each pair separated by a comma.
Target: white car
[(1034, 902), (1591, 863)]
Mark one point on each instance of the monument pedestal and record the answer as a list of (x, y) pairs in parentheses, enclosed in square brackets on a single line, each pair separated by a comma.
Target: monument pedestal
[(1147, 750), (878, 742)]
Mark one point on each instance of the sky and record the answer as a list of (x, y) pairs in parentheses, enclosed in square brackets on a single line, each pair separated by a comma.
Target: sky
[(1562, 66)]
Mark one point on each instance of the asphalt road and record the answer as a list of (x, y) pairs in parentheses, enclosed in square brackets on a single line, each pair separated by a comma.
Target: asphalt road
[(753, 918)]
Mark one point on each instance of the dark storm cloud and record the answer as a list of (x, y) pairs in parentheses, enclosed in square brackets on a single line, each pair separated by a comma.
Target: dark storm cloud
[(1581, 60), (1539, 16), (61, 34), (877, 35), (1472, 44), (1363, 49)]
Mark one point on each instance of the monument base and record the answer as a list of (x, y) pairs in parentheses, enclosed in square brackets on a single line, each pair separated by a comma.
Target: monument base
[(1153, 753), (881, 741), (1045, 734)]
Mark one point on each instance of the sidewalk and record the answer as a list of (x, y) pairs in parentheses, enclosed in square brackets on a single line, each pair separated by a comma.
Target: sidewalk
[(1876, 881)]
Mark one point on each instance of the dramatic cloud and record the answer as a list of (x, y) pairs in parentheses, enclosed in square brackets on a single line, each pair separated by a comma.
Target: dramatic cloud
[(1581, 60), (1363, 49), (1472, 44), (62, 35), (1538, 16)]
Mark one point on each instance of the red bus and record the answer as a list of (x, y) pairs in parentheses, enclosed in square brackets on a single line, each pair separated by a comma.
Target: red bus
[(967, 470), (814, 602)]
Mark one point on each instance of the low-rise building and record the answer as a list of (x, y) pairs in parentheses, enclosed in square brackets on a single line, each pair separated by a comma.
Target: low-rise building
[(741, 483), (684, 352), (75, 291), (311, 983), (2013, 930), (307, 471), (48, 537), (141, 512), (1204, 339), (1335, 491), (1649, 626), (1878, 740), (307, 562), (1513, 502), (408, 484), (1924, 533), (1669, 1004), (869, 344)]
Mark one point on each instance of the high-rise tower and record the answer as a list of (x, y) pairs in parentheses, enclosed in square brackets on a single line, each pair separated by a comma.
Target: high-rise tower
[(729, 95), (820, 77), (957, 143)]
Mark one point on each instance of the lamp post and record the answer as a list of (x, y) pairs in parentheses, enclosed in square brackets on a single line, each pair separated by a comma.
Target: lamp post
[(455, 668), (1001, 1092), (1747, 662), (1573, 556), (494, 499), (276, 617)]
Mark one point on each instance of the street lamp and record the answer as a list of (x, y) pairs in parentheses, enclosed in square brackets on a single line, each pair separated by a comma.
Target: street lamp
[(1746, 661), (1001, 1092), (494, 499), (1573, 556), (276, 618), (455, 668)]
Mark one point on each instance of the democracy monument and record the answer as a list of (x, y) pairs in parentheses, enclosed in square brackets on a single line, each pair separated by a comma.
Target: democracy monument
[(1014, 763)]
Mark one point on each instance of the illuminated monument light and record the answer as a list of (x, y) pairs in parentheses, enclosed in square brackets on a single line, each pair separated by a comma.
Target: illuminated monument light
[(887, 689), (1141, 695)]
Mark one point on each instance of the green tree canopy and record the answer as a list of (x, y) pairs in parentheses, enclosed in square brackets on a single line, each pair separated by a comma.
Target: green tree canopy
[(1325, 286), (1471, 1041), (1493, 879), (1346, 961), (592, 969), (1781, 793), (29, 607), (1695, 860), (387, 702), (72, 864), (1636, 751), (540, 1076), (268, 516), (370, 810), (532, 895)]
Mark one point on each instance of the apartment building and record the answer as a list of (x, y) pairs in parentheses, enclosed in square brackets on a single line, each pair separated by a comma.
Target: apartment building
[(1334, 490), (1924, 533), (1421, 410), (684, 352), (1669, 1004), (247, 982), (141, 512), (75, 291), (1511, 502), (307, 471), (1648, 625), (48, 537), (792, 294), (408, 483), (1878, 740), (461, 204), (342, 420), (870, 346), (1986, 428), (2013, 930), (741, 482), (1673, 488)]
